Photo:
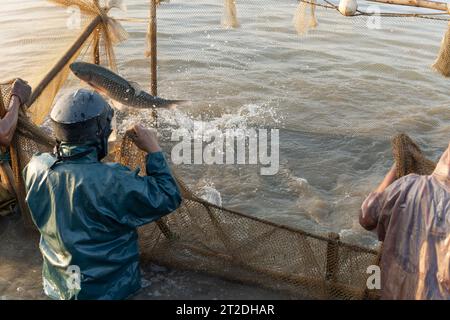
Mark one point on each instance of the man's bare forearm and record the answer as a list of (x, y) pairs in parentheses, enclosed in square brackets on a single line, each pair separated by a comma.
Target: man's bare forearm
[(9, 122), (371, 208), (387, 181)]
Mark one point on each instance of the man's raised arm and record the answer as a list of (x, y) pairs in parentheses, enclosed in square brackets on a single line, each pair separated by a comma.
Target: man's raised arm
[(19, 95)]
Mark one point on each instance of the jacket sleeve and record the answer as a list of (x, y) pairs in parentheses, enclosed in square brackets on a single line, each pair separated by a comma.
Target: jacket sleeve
[(138, 200), (377, 208)]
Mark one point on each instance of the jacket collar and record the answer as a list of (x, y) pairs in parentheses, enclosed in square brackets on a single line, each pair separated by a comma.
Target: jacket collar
[(68, 150)]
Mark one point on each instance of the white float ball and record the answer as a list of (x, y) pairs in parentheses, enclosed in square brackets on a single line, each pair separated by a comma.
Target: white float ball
[(348, 7)]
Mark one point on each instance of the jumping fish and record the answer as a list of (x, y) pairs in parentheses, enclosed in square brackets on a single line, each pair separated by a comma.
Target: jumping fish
[(117, 88)]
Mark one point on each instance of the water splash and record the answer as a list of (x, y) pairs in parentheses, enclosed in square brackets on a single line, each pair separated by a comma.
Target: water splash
[(209, 193), (247, 116)]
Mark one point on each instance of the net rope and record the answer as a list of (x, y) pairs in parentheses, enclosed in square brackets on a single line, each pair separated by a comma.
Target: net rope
[(329, 5)]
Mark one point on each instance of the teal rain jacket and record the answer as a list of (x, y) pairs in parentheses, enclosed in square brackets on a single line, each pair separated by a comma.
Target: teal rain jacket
[(87, 213)]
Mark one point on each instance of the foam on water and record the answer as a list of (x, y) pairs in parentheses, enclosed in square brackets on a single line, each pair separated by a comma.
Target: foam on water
[(246, 117), (210, 194)]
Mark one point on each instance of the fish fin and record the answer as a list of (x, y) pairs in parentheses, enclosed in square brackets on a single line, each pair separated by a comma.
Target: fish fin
[(137, 88)]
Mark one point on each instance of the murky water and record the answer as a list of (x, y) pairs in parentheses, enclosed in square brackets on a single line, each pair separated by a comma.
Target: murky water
[(337, 95)]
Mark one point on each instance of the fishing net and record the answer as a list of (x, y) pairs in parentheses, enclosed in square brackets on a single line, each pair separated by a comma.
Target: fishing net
[(108, 28), (203, 237), (229, 19), (28, 140), (41, 107), (304, 17), (409, 158)]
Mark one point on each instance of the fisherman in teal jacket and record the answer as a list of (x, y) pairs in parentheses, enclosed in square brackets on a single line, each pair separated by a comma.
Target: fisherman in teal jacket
[(87, 211)]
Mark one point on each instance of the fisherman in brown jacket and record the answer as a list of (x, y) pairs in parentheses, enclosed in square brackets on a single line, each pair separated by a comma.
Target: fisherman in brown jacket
[(412, 216)]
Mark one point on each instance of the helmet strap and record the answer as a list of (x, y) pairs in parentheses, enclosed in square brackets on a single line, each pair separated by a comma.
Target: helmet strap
[(61, 158)]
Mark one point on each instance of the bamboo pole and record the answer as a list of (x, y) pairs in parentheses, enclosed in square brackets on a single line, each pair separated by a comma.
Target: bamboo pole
[(96, 57), (7, 177), (165, 230), (332, 256), (370, 294), (6, 173), (332, 262), (29, 130), (64, 60), (441, 6), (153, 49), (15, 152)]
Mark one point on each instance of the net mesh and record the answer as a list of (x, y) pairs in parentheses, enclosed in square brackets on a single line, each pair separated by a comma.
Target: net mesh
[(203, 237), (28, 140), (41, 107), (409, 158)]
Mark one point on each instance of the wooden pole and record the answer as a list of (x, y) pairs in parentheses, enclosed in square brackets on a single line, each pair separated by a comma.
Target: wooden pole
[(64, 60), (332, 263), (96, 57), (153, 49), (6, 173), (441, 6), (7, 178), (15, 151)]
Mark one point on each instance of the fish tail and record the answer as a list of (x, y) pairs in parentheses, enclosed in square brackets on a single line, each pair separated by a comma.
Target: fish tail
[(172, 104)]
